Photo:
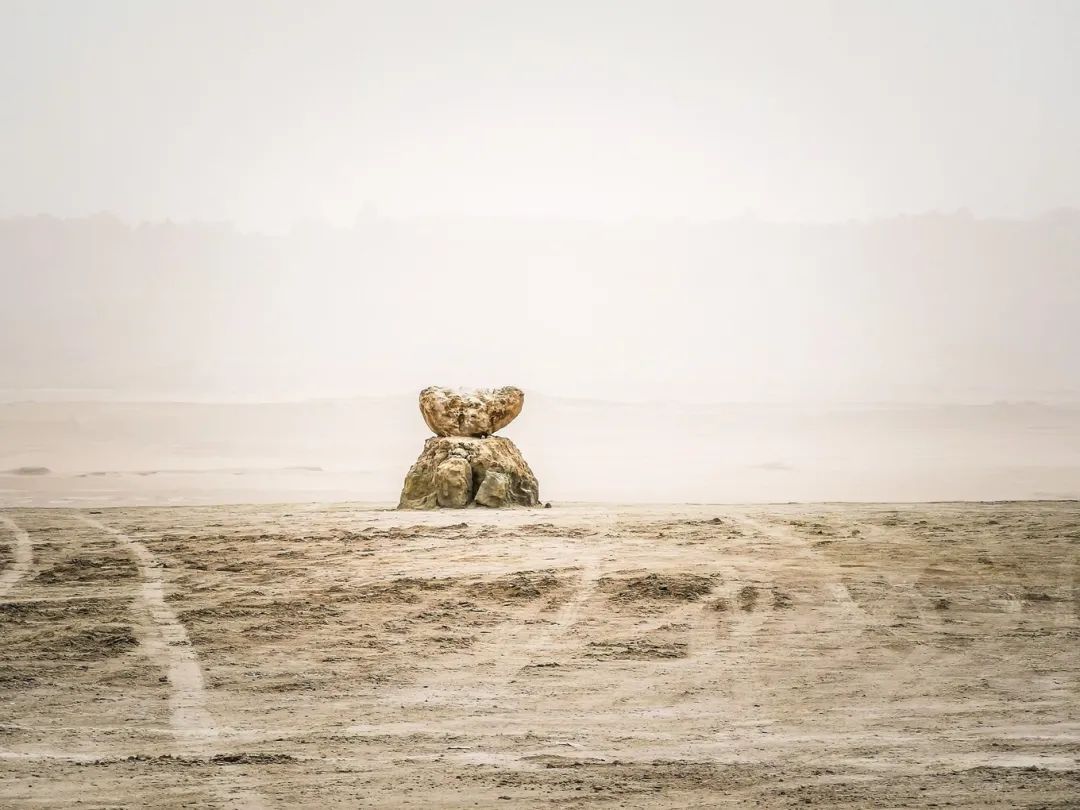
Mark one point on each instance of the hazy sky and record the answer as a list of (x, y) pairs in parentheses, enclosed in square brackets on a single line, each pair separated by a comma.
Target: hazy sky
[(266, 113)]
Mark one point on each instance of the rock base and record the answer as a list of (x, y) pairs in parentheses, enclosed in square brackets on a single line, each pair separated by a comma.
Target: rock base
[(455, 472)]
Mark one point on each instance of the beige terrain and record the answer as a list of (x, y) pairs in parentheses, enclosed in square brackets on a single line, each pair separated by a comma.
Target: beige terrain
[(695, 656)]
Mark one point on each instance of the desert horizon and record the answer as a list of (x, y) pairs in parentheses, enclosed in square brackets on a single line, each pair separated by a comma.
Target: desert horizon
[(359, 449), (473, 404)]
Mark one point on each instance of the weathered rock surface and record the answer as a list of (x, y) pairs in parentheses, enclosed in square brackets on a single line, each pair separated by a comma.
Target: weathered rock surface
[(453, 482), (459, 471), (495, 490), (470, 413)]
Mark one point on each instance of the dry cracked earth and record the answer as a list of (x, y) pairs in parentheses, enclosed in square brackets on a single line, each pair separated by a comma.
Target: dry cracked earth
[(697, 656)]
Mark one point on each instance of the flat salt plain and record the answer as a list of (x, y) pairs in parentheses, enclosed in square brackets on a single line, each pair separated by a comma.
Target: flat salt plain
[(829, 655)]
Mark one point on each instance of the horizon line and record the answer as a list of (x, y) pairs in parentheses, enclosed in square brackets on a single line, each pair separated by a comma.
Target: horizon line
[(1071, 399), (362, 219)]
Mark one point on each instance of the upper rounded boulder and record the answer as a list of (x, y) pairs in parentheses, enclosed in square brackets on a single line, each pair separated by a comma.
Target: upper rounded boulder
[(478, 412)]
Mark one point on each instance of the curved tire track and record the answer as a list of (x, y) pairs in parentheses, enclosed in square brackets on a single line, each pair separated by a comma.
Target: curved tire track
[(501, 659), (166, 641), (23, 552)]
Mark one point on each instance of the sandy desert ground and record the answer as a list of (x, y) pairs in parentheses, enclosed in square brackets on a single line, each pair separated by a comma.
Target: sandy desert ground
[(697, 656)]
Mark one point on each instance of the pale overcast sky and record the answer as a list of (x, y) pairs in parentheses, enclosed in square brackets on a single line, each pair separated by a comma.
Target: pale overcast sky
[(266, 113)]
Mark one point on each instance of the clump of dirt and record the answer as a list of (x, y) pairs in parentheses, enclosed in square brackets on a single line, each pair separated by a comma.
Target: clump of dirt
[(156, 759), (518, 587), (1037, 596), (93, 643), (551, 530), (720, 605), (288, 612), (243, 758), (457, 613), (450, 642), (396, 532), (296, 684), (747, 597), (215, 613), (639, 649), (55, 644), (709, 522), (658, 587), (14, 678), (403, 590), (46, 612), (812, 526), (604, 780), (104, 641), (251, 758), (102, 568), (782, 601)]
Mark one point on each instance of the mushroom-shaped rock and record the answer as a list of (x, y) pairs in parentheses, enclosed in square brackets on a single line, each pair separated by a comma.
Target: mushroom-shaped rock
[(458, 471), (470, 413)]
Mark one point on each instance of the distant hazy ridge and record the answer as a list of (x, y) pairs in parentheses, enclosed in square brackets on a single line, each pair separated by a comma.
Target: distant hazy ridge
[(926, 308)]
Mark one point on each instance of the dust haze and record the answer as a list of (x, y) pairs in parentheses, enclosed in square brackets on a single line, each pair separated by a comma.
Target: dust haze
[(733, 252), (791, 289), (930, 357)]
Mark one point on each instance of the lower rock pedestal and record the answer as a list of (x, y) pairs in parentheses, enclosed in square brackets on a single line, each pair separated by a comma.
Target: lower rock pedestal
[(459, 471)]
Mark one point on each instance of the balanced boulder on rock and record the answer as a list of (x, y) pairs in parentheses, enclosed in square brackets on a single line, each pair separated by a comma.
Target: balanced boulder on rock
[(467, 466), (470, 413)]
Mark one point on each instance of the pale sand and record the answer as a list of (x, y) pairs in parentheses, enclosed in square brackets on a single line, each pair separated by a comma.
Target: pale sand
[(670, 656)]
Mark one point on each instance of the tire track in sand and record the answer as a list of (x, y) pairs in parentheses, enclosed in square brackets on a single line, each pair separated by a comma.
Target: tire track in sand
[(166, 641), (569, 613), (23, 553), (799, 549), (493, 666)]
